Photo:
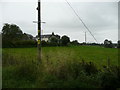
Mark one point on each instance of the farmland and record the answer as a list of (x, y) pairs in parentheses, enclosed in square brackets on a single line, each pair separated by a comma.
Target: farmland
[(58, 66), (98, 55)]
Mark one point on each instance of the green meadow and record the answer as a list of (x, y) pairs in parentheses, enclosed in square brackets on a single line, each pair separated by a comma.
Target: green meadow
[(98, 55), (60, 66)]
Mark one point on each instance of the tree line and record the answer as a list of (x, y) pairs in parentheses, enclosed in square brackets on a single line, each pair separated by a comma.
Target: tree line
[(12, 36)]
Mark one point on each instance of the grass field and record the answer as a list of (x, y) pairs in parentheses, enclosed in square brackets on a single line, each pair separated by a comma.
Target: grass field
[(98, 55), (57, 65)]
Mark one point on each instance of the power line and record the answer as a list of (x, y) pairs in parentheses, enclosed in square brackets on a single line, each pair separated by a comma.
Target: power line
[(81, 20)]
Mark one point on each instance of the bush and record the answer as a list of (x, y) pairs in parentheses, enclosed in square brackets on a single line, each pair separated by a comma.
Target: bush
[(19, 44), (44, 43), (64, 40), (110, 78), (26, 43), (7, 44), (27, 71)]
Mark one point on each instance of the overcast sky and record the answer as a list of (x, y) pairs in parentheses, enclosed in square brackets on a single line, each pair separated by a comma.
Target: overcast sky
[(100, 17)]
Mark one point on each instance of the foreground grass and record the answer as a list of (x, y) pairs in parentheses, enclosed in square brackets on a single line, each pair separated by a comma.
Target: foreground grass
[(61, 67), (98, 55)]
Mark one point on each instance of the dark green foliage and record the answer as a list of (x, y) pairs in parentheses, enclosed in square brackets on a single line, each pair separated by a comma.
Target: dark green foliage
[(27, 71), (90, 68), (110, 77), (118, 44), (65, 40), (7, 44), (75, 42), (12, 36), (44, 43), (108, 44), (26, 43), (11, 32), (54, 41), (19, 44), (27, 37)]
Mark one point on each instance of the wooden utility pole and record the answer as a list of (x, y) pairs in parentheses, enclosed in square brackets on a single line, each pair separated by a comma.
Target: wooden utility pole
[(85, 37), (39, 30)]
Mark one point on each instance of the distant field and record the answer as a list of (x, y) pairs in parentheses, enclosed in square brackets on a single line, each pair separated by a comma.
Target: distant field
[(60, 67), (98, 55)]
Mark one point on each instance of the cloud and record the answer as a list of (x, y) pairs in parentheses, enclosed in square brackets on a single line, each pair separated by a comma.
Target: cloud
[(101, 18)]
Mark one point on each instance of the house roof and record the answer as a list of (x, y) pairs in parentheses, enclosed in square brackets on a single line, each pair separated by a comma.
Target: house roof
[(46, 36)]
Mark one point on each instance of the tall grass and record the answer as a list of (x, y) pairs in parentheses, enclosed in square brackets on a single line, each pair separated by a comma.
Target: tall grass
[(60, 67)]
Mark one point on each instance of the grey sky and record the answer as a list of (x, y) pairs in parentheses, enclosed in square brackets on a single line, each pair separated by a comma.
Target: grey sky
[(100, 17)]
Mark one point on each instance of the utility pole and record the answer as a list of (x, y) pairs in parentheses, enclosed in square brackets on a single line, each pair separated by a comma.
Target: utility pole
[(39, 30), (85, 37)]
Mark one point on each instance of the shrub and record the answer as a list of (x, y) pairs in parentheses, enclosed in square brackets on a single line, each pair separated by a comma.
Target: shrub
[(26, 43), (109, 78), (90, 68), (44, 43), (19, 44), (28, 71)]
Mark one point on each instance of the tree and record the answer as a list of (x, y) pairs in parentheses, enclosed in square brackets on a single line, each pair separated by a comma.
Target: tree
[(118, 44), (54, 41), (65, 40), (12, 36), (108, 44), (11, 32), (75, 42), (26, 36)]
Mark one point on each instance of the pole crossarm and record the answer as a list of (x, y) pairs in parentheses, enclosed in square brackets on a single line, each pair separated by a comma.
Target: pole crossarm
[(37, 22)]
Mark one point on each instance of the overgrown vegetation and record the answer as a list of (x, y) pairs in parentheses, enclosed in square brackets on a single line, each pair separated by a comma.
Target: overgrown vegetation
[(61, 67), (12, 37)]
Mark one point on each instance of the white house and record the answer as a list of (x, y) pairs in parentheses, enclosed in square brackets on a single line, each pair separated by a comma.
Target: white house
[(47, 37)]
